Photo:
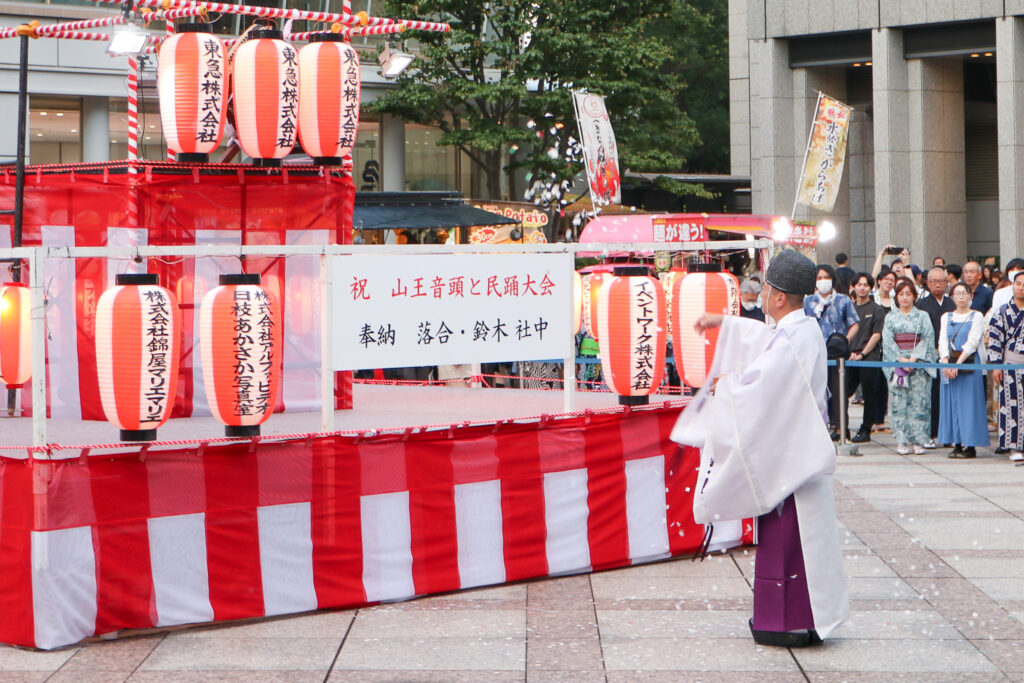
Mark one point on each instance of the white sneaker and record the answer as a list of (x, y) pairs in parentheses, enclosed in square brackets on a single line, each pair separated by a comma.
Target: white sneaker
[(902, 449), (930, 445), (1016, 456), (918, 450)]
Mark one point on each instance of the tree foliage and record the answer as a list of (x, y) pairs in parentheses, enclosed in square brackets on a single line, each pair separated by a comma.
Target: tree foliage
[(508, 62)]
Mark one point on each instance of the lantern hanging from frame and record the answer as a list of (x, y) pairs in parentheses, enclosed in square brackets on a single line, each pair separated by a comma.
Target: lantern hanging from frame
[(265, 82), (705, 289), (329, 83), (241, 340), (192, 85), (592, 289), (138, 344), (668, 279), (577, 303), (15, 334), (632, 325)]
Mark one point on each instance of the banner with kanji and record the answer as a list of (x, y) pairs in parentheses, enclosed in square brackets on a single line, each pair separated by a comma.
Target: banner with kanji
[(600, 154), (826, 152)]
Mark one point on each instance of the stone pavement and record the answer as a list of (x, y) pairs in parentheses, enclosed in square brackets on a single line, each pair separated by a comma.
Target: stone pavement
[(935, 563)]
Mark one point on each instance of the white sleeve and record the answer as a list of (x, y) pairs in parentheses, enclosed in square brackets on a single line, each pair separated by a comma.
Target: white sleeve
[(944, 336), (974, 337)]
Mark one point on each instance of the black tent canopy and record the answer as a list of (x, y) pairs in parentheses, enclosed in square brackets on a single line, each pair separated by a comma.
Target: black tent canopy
[(419, 211)]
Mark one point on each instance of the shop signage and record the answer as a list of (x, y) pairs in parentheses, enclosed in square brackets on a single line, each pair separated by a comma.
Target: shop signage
[(414, 310), (679, 230)]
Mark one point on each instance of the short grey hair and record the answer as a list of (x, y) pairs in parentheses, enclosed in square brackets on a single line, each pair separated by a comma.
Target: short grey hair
[(750, 287)]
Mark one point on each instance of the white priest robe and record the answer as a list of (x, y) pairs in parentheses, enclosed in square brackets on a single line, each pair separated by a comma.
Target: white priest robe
[(766, 453)]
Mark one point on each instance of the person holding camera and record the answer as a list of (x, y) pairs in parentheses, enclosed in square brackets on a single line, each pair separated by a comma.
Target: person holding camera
[(901, 261)]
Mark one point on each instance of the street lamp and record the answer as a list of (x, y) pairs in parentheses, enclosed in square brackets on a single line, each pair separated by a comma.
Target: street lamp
[(393, 61)]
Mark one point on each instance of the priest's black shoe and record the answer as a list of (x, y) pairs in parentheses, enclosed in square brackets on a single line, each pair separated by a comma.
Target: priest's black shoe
[(834, 435), (862, 436), (1000, 450), (785, 638)]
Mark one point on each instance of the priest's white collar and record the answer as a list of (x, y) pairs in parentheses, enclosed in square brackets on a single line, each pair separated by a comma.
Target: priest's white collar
[(792, 318)]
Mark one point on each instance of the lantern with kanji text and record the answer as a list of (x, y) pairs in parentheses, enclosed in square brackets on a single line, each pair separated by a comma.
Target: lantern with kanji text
[(632, 328), (329, 82), (591, 290), (192, 85), (705, 289), (265, 81), (240, 335), (138, 344)]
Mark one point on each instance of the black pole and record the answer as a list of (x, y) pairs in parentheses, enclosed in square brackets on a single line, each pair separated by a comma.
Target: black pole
[(19, 186), (19, 183)]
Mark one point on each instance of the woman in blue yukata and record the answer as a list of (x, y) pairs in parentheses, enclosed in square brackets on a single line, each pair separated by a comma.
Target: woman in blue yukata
[(908, 337), (962, 419)]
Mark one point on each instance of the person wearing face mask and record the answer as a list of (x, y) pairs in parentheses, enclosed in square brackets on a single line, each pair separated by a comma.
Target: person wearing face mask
[(835, 315), (750, 291)]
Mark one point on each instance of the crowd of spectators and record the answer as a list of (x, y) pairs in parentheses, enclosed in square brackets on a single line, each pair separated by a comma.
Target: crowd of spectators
[(901, 316)]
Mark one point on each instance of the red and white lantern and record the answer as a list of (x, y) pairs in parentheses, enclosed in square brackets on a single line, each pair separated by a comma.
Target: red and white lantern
[(632, 325), (668, 279), (705, 289), (192, 84), (15, 334), (329, 83), (265, 78), (138, 344), (240, 335), (577, 303), (591, 290)]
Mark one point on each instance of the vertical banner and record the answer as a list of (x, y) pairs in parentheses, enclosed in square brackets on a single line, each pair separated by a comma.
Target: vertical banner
[(826, 151), (600, 154)]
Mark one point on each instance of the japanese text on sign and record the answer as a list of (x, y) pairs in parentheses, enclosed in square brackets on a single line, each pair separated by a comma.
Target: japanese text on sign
[(395, 311), (670, 230)]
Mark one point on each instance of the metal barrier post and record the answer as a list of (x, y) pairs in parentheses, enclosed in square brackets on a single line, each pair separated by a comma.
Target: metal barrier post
[(844, 448)]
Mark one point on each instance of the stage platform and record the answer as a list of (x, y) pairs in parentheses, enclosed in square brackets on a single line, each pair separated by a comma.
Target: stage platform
[(377, 407)]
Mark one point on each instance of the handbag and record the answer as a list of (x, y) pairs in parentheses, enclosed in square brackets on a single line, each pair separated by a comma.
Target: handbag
[(972, 358)]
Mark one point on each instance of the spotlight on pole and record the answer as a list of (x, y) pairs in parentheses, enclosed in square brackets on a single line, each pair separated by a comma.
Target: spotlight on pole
[(826, 231), (782, 228), (393, 61), (127, 40)]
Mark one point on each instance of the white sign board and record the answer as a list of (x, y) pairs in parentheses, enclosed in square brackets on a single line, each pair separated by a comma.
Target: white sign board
[(412, 310)]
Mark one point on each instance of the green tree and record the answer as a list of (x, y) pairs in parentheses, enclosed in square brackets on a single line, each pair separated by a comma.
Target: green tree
[(508, 62)]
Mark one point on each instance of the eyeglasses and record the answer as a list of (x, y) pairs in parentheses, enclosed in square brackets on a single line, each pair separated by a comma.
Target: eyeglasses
[(961, 293)]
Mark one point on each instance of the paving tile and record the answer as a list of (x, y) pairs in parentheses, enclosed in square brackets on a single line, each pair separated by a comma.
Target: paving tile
[(704, 677), (226, 676), (385, 623), (713, 567), (426, 676), (896, 625), (566, 676), (619, 625), (980, 620), (432, 654), (973, 567), (947, 589), (1000, 589), (18, 659), (511, 592), (696, 654), (117, 655), (571, 589), (694, 604), (894, 656), (561, 624), (621, 586), (902, 677), (82, 676), (886, 588), (549, 654), (326, 624), (1005, 654), (181, 651), (948, 534), (859, 564), (953, 498), (25, 676)]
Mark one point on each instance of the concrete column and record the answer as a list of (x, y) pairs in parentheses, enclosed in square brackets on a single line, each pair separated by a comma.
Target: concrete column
[(739, 89), (807, 83), (860, 165), (773, 166), (95, 129), (392, 153), (1010, 104), (892, 139), (938, 185)]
